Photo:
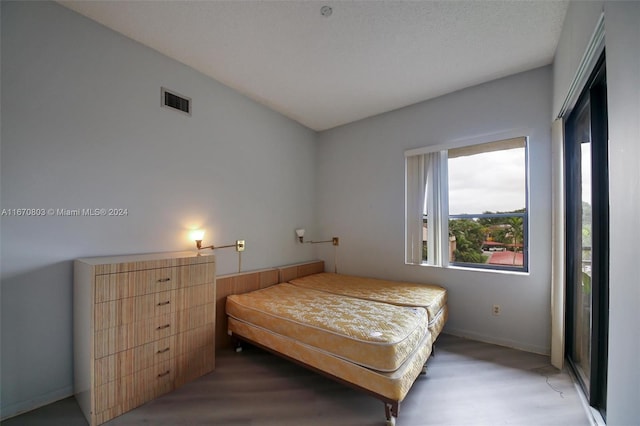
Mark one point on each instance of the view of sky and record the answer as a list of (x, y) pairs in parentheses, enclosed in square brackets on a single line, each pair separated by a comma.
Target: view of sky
[(493, 181)]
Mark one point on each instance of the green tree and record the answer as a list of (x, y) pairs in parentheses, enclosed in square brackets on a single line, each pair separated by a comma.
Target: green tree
[(587, 221), (516, 233), (503, 229), (469, 238)]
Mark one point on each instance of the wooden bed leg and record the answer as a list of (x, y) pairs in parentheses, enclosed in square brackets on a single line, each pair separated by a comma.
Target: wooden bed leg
[(237, 343), (391, 412)]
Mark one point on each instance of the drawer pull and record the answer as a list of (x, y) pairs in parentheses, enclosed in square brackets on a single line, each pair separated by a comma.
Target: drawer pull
[(164, 374), (161, 351), (164, 303), (163, 327), (164, 280)]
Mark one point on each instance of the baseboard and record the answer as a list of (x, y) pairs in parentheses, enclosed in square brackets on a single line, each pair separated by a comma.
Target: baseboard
[(18, 408), (497, 341)]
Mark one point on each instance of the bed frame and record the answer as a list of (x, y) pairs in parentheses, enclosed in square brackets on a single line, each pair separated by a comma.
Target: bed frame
[(391, 407), (246, 282)]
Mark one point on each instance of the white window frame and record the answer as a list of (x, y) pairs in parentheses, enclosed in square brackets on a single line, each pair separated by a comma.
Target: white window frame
[(436, 244)]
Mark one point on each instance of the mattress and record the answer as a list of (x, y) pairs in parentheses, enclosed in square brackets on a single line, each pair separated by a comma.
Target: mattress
[(392, 385), (378, 336), (436, 324), (431, 297)]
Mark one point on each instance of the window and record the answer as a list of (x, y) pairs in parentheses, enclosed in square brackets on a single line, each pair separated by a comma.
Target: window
[(467, 206)]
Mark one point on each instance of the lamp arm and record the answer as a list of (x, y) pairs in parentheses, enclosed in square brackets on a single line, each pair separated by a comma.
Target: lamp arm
[(239, 245), (335, 241), (200, 247)]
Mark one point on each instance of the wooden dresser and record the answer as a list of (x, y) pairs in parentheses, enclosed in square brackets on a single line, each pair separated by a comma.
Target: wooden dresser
[(142, 326)]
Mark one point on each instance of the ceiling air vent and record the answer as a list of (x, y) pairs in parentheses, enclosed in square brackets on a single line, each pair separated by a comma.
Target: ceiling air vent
[(176, 101)]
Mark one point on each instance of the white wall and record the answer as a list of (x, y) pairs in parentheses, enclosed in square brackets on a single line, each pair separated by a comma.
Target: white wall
[(622, 27), (578, 26), (622, 45), (361, 200), (82, 127)]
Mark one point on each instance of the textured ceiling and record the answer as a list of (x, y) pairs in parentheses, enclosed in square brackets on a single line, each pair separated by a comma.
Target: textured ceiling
[(367, 58)]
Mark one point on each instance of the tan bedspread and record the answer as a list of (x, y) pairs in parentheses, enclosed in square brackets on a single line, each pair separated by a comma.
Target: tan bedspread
[(378, 336), (431, 297)]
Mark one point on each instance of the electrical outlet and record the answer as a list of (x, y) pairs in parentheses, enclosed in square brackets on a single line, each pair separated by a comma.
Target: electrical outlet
[(240, 245), (495, 311)]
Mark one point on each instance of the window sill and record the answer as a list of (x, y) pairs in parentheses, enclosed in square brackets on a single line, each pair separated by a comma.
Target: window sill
[(470, 269)]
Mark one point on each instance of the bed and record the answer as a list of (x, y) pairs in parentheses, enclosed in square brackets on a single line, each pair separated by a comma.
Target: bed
[(349, 328), (430, 297)]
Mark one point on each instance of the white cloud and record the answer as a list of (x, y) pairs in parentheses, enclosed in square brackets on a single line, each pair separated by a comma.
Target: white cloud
[(493, 181)]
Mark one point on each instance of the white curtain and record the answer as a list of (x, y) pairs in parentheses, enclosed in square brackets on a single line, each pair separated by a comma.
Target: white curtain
[(558, 244), (414, 208), (424, 195), (437, 240)]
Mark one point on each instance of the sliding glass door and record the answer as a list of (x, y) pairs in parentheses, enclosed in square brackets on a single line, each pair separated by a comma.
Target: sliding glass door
[(587, 210)]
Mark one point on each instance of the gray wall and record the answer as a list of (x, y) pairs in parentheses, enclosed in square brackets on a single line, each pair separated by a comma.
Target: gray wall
[(82, 127), (622, 44), (361, 199), (622, 26), (579, 23)]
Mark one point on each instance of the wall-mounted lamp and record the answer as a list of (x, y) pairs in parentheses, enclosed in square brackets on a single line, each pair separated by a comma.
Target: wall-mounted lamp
[(199, 233), (300, 233), (335, 241)]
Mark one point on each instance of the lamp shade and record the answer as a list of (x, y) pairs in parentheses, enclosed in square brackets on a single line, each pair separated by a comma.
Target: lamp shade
[(197, 234)]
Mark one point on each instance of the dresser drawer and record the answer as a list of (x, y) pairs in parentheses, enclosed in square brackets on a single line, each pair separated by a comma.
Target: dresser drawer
[(133, 309), (192, 340), (113, 367), (109, 341), (116, 339), (138, 283), (196, 317), (130, 391)]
